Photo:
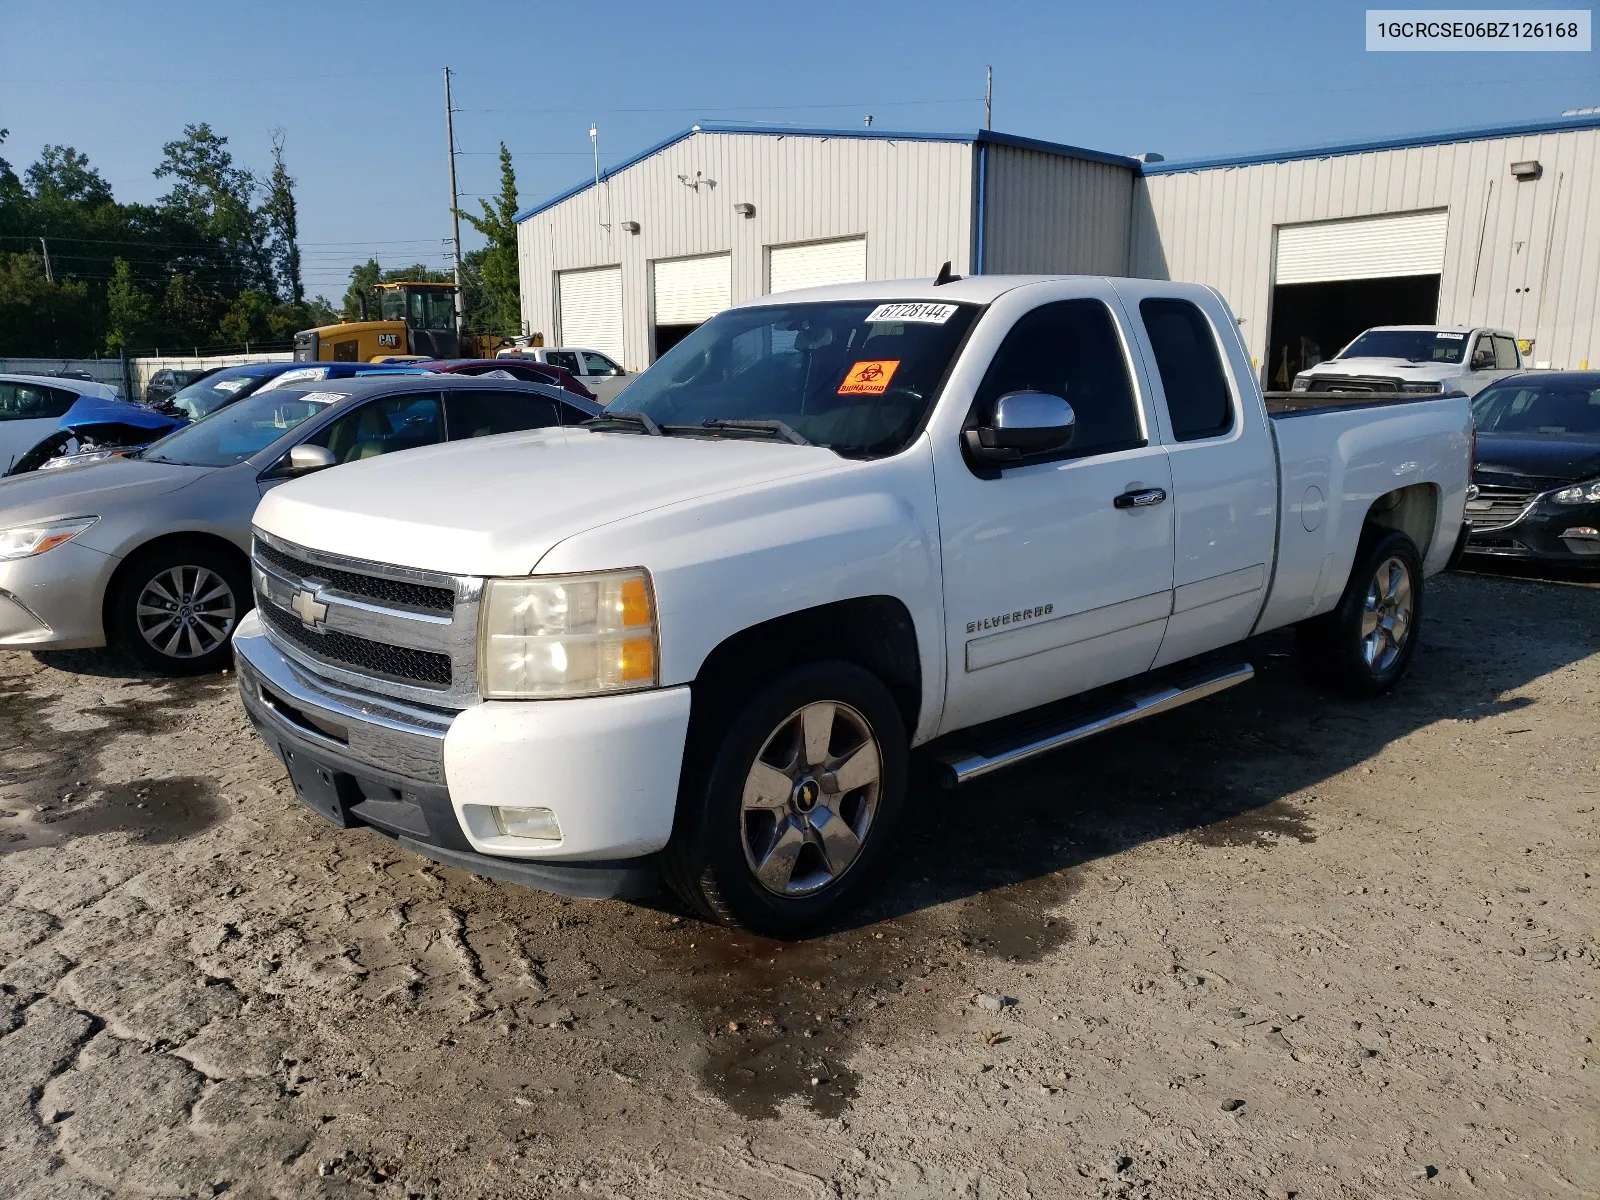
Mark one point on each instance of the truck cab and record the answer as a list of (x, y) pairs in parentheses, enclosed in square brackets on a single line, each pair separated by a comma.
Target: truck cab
[(414, 318)]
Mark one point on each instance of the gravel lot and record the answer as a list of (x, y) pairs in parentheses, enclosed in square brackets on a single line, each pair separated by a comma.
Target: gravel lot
[(1271, 945)]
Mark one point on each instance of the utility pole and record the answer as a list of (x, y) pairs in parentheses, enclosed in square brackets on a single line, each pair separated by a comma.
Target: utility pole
[(988, 98), (455, 215), (49, 275)]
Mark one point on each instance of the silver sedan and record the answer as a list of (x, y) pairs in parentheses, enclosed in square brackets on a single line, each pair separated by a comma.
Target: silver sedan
[(151, 552)]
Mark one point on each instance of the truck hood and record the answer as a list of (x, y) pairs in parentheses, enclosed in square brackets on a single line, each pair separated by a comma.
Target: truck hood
[(93, 489), (1510, 458), (1400, 368), (496, 506)]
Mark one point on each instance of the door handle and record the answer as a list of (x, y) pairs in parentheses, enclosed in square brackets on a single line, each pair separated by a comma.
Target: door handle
[(1141, 498)]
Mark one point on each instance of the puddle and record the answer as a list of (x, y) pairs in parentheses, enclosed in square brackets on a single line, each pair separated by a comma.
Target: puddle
[(156, 811), (1263, 828), (755, 1073)]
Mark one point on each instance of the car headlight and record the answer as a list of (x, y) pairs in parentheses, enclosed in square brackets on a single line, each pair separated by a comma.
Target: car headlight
[(1578, 493), (1302, 383), (25, 541), (560, 636)]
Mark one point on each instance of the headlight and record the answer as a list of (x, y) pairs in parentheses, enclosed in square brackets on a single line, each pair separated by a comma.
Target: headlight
[(567, 635), (1302, 383), (1578, 493), (27, 540), (1422, 389)]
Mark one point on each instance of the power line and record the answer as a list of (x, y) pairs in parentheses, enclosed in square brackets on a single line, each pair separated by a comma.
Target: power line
[(726, 108)]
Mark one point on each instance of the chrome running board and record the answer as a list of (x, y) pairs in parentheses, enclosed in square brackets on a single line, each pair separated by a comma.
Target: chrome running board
[(958, 766)]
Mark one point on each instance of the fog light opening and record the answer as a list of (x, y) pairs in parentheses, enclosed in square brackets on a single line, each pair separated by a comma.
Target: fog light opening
[(1587, 532), (534, 824)]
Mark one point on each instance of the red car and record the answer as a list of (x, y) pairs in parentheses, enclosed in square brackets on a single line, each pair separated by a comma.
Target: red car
[(533, 372)]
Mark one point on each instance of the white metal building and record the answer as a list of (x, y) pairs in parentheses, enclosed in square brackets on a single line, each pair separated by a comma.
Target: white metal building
[(1491, 226)]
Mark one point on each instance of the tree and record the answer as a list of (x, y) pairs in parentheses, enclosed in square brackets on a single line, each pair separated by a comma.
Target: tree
[(218, 198), (10, 185), (37, 315), (62, 173), (127, 307), (498, 265), (283, 226)]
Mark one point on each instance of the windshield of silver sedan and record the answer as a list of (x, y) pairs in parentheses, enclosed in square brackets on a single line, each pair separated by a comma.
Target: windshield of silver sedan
[(855, 376), (235, 433)]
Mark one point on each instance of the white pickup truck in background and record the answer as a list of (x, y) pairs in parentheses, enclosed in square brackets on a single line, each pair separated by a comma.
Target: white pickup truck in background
[(1417, 360), (700, 638)]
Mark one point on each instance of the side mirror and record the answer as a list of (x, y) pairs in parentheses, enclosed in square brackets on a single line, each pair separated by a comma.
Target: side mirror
[(1483, 360), (304, 459), (1023, 423)]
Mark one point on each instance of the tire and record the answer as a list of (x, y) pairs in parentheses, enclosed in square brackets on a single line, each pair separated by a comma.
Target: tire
[(176, 607), (768, 838), (1365, 644)]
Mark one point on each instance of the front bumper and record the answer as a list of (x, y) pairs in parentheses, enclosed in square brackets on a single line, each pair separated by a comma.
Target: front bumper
[(55, 600), (607, 766), (1547, 531)]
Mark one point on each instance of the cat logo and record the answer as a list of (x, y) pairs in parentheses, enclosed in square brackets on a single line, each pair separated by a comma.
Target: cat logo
[(389, 341)]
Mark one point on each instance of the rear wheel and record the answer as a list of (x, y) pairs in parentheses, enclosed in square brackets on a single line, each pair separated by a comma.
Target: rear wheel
[(788, 815), (176, 608), (1365, 644)]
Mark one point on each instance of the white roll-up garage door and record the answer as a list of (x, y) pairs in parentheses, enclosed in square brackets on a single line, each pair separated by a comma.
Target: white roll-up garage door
[(1367, 248), (691, 290), (591, 309), (815, 264)]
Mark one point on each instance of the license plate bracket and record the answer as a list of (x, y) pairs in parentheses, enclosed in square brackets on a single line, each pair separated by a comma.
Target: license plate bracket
[(317, 786)]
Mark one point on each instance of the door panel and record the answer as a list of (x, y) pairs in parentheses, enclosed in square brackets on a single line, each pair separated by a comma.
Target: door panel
[(1050, 589)]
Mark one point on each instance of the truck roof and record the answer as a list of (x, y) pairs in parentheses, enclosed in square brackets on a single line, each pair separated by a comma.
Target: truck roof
[(967, 289), (1446, 329)]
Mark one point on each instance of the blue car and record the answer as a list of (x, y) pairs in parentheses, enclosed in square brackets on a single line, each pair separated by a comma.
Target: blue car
[(95, 425)]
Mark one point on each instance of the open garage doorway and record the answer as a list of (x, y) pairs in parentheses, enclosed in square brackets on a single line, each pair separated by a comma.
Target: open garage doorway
[(1334, 279), (687, 292), (1314, 321)]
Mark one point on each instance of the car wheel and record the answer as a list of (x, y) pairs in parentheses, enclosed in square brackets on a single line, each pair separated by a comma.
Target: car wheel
[(176, 608), (1365, 644), (788, 814)]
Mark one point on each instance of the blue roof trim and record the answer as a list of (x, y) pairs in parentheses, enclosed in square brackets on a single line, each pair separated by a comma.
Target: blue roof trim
[(1438, 138), (876, 135)]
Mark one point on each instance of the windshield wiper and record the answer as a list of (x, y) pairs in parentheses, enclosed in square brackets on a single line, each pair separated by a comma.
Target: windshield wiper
[(776, 429), (643, 420)]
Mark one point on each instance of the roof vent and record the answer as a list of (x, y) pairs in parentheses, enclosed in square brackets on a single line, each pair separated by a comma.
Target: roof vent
[(1151, 156)]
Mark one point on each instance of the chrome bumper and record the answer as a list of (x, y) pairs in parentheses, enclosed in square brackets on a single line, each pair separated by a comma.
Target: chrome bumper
[(394, 739)]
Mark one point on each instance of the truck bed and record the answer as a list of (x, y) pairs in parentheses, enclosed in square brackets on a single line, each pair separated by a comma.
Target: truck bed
[(1294, 404)]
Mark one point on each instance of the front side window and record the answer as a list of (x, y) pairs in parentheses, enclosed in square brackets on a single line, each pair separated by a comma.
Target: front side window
[(855, 376), (33, 402), (1505, 354), (482, 414), (564, 359), (1198, 402), (235, 433), (1410, 345), (383, 427), (1538, 410), (1069, 349), (597, 364)]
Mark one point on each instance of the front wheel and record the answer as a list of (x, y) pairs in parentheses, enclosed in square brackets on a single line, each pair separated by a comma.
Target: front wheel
[(1365, 644), (788, 815), (176, 608)]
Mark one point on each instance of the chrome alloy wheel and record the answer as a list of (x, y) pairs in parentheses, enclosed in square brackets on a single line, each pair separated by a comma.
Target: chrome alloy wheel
[(810, 798), (186, 612), (1386, 617)]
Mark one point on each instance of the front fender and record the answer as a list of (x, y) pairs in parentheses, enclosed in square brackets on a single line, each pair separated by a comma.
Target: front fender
[(724, 563)]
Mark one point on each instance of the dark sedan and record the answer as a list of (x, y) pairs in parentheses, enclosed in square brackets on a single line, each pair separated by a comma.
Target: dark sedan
[(1536, 483)]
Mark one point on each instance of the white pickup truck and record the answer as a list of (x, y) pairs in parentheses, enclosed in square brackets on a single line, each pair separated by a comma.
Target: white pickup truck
[(700, 638), (1417, 360)]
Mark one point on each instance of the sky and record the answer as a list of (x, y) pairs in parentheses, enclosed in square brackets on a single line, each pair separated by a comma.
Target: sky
[(357, 89)]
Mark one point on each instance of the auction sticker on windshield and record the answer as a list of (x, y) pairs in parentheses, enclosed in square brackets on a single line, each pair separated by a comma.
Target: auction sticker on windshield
[(869, 378), (913, 310)]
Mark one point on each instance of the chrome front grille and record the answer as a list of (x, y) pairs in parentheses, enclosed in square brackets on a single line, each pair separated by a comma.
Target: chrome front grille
[(392, 631), (1496, 505)]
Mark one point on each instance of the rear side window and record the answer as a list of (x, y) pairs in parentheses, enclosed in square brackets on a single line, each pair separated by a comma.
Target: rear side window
[(481, 414), (1198, 403), (33, 402), (1070, 349), (1505, 354)]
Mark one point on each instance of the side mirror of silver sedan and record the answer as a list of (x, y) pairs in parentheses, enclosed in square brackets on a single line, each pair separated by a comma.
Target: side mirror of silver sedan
[(304, 459)]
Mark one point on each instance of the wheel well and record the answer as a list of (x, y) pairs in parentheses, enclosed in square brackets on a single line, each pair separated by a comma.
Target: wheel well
[(1413, 510), (874, 632), (209, 540)]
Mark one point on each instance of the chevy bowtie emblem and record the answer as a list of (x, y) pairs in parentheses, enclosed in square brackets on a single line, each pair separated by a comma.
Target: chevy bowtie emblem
[(311, 611)]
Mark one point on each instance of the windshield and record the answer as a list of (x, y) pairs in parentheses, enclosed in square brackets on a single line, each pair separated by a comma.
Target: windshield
[(1413, 345), (855, 376), (200, 399), (240, 430), (1539, 409)]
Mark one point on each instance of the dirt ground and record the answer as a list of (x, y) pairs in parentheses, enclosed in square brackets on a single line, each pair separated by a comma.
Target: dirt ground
[(1271, 945)]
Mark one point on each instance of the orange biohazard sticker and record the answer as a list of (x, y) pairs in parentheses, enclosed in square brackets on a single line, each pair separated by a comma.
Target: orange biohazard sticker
[(869, 378)]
